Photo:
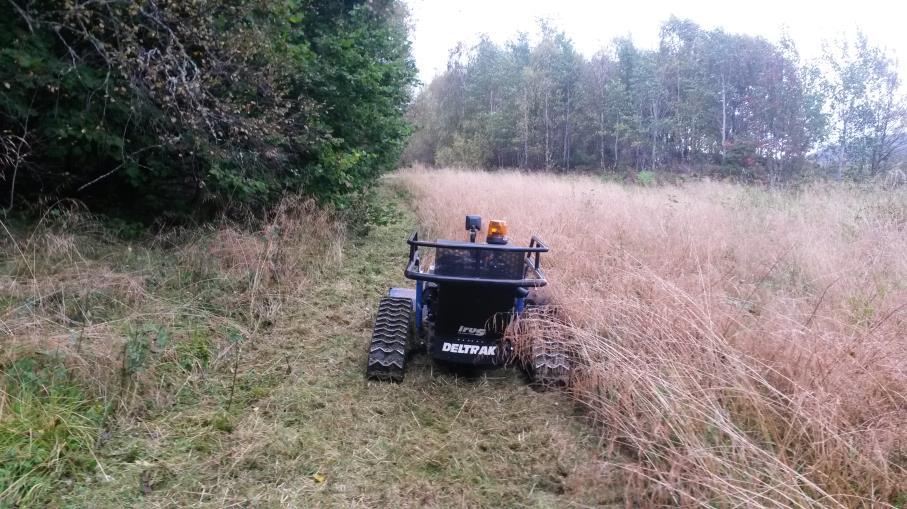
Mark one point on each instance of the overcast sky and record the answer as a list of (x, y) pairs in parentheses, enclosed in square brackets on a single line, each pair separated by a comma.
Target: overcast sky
[(440, 24)]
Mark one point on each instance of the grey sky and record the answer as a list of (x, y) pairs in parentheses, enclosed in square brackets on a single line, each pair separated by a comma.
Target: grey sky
[(440, 24)]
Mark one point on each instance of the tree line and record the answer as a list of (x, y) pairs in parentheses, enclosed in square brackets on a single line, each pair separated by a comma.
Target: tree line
[(173, 107), (703, 100)]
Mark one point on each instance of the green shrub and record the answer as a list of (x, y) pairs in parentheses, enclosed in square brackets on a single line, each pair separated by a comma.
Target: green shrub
[(172, 108), (645, 178)]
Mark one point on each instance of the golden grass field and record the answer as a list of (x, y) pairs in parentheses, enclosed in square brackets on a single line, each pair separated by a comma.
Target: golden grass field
[(735, 346)]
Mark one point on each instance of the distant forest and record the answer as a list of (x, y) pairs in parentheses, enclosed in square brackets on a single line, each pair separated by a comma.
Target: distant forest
[(703, 101)]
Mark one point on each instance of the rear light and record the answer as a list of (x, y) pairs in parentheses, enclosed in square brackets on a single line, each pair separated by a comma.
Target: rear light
[(497, 232)]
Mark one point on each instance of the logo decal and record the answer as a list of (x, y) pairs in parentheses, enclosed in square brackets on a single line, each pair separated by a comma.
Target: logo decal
[(469, 349), (472, 331)]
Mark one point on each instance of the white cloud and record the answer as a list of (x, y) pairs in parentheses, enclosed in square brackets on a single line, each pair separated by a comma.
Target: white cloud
[(440, 24)]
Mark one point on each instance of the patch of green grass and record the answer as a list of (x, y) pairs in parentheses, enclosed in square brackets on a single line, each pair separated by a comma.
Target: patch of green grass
[(900, 500), (195, 351), (862, 310), (47, 431), (98, 306), (222, 422)]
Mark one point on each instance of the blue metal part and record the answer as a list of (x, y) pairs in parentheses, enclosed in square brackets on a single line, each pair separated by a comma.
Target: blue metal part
[(419, 285), (403, 293), (519, 304)]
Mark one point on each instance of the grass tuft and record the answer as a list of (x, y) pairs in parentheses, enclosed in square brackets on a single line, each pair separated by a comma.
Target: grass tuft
[(48, 427)]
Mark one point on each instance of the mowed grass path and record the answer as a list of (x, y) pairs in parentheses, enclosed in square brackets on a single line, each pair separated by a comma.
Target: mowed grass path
[(308, 430)]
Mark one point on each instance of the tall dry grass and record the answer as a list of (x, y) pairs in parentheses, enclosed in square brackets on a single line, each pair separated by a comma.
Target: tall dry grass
[(72, 290), (738, 346)]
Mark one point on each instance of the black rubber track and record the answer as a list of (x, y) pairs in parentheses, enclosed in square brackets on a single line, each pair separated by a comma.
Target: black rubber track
[(550, 364), (387, 351)]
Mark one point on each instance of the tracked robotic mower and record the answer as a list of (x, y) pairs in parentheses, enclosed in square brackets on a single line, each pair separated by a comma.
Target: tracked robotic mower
[(462, 305)]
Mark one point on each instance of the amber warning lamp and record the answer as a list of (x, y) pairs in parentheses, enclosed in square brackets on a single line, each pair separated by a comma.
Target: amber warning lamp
[(497, 232)]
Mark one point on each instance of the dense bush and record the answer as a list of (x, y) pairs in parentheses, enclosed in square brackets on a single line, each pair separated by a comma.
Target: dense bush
[(173, 107)]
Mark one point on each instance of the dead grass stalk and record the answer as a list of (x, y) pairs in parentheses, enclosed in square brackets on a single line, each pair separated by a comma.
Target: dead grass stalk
[(737, 346)]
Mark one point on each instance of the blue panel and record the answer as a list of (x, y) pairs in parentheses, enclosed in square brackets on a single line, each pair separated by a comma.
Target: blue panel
[(419, 285), (402, 293)]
